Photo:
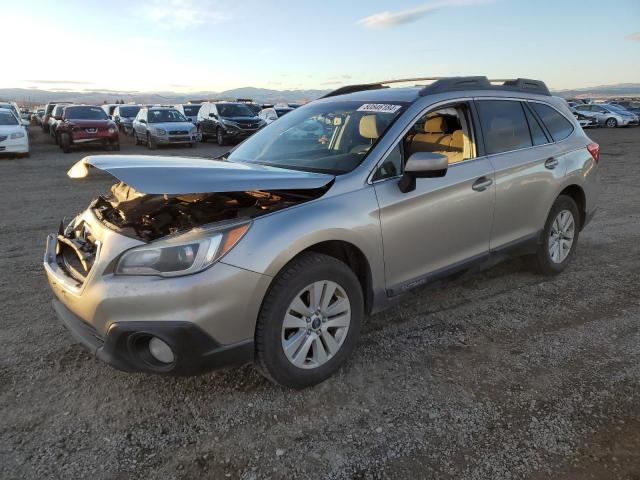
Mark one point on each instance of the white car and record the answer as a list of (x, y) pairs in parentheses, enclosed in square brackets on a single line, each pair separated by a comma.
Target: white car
[(270, 115), (189, 110), (13, 135)]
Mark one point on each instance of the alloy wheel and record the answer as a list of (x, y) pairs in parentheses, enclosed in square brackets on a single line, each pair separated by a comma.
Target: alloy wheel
[(316, 324), (561, 236)]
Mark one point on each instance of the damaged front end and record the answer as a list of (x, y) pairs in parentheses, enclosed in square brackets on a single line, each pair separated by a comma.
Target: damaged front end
[(153, 216)]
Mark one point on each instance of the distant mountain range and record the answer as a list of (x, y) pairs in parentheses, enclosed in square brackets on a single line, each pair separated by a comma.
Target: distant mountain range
[(260, 95)]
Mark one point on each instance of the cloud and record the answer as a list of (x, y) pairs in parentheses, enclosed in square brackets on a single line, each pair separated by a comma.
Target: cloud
[(58, 82), (634, 37), (391, 19), (181, 14)]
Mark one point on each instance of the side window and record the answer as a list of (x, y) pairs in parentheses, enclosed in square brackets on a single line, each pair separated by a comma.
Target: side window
[(537, 134), (392, 165), (504, 125), (558, 126)]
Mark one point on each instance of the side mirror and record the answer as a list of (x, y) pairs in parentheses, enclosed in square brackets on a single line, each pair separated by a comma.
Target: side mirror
[(422, 165), (213, 115), (58, 117), (142, 120), (26, 123)]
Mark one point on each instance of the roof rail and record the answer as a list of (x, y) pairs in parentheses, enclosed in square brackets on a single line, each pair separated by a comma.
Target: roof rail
[(447, 84)]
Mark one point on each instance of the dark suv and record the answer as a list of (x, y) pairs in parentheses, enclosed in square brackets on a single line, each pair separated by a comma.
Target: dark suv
[(82, 124), (226, 121)]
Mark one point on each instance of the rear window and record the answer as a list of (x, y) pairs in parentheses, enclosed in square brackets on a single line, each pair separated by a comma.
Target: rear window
[(558, 126), (504, 125), (191, 110), (537, 134)]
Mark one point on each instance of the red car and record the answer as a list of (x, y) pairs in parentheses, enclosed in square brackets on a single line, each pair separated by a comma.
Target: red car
[(82, 124)]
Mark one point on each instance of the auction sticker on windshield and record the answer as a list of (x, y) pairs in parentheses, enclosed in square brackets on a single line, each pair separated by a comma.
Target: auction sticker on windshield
[(379, 107)]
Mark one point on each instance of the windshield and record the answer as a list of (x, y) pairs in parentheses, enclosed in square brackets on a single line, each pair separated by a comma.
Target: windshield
[(129, 111), (160, 116), (191, 110), (85, 113), (332, 137), (234, 110), (7, 118)]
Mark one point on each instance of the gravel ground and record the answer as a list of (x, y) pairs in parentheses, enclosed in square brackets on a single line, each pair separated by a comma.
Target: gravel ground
[(498, 374)]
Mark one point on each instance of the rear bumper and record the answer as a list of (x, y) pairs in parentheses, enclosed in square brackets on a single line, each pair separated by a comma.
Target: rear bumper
[(123, 347)]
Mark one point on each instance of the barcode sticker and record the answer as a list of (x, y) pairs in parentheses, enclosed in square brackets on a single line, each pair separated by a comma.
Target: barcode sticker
[(379, 107)]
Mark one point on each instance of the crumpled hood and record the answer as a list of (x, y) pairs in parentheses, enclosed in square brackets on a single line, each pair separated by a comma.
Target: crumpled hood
[(180, 175)]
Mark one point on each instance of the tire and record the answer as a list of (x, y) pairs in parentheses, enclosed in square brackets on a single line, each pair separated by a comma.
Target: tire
[(220, 137), (203, 137), (611, 123), (136, 139), (306, 270), (150, 143), (543, 261), (65, 143), (191, 145), (115, 146)]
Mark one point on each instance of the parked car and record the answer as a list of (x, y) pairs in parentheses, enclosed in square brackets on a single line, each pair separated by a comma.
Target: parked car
[(13, 134), (48, 111), (86, 124), (604, 115), (629, 105), (584, 121), (275, 254), (190, 111), (37, 116), (269, 115), (109, 108), (55, 119), (227, 121), (162, 126), (14, 109), (124, 115)]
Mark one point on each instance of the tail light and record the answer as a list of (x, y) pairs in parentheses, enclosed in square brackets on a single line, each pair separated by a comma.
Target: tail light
[(594, 150)]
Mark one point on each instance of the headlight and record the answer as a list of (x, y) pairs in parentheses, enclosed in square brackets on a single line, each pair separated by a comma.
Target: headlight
[(180, 255), (17, 135), (159, 131), (193, 130), (113, 129), (229, 123)]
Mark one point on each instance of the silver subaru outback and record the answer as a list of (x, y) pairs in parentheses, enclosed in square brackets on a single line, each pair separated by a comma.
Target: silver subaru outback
[(275, 252)]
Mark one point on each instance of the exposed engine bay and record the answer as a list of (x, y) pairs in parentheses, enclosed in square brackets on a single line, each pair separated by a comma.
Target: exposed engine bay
[(151, 216)]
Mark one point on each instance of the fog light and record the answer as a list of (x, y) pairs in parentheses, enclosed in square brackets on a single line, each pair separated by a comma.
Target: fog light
[(160, 350)]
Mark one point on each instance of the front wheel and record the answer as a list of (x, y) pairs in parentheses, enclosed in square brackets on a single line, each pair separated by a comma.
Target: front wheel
[(559, 237), (151, 142), (611, 123), (309, 322), (65, 142), (221, 139), (203, 137)]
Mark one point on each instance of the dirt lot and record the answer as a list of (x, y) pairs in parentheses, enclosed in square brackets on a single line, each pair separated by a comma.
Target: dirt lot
[(499, 374)]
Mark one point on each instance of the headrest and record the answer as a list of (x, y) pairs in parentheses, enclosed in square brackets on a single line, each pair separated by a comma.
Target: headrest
[(457, 139), (369, 127), (434, 125)]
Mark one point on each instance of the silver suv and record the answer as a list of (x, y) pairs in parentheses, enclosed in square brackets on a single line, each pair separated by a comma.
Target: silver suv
[(275, 252)]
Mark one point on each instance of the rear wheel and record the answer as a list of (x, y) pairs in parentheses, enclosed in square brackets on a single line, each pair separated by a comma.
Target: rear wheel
[(559, 237), (611, 123), (309, 322)]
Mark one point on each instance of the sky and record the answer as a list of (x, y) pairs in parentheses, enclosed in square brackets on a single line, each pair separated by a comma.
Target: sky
[(215, 45)]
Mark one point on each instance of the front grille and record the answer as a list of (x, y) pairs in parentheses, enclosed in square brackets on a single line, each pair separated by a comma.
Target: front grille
[(3, 138), (178, 132), (76, 251), (248, 124)]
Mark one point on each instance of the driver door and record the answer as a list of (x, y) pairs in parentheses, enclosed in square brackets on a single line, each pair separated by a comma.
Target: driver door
[(445, 222)]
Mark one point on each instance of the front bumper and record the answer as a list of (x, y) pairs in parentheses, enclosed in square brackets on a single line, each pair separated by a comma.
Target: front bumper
[(15, 145), (219, 305), (123, 347), (170, 139)]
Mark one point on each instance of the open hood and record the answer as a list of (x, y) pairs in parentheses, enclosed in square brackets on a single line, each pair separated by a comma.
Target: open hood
[(182, 175)]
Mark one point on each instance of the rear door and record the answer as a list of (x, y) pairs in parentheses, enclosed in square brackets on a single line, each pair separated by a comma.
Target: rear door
[(444, 222), (527, 170)]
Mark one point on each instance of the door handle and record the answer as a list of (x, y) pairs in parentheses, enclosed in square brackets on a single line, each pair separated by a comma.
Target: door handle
[(551, 163), (482, 184)]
